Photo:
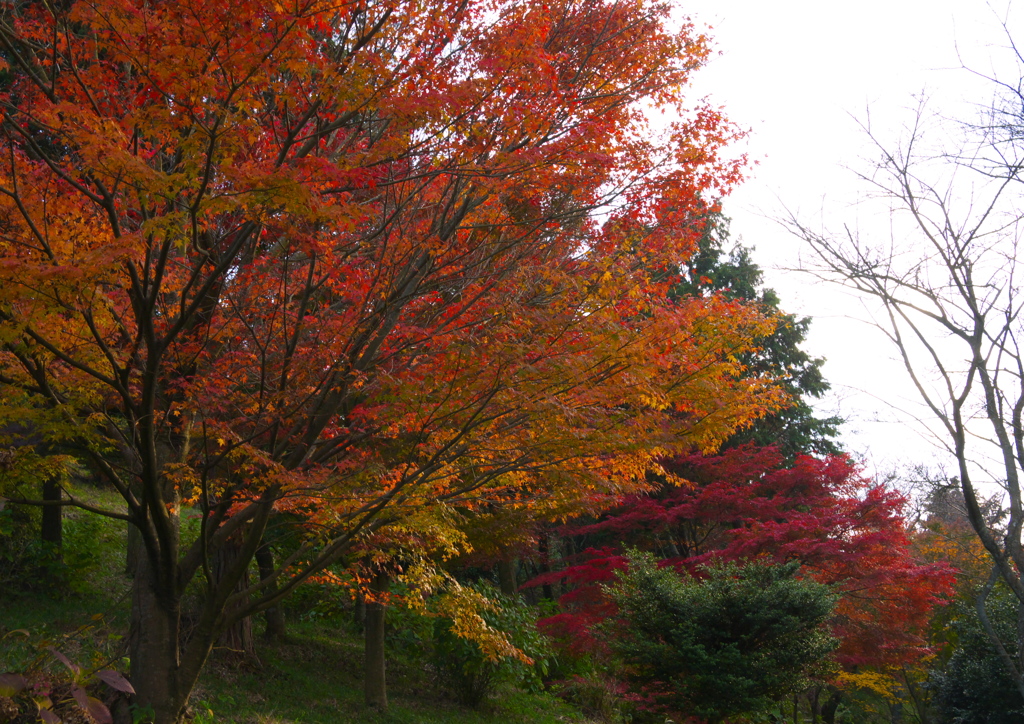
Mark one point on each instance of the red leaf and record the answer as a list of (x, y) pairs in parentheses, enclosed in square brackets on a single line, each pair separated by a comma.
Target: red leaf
[(99, 711), (11, 684), (115, 680), (80, 697), (74, 668)]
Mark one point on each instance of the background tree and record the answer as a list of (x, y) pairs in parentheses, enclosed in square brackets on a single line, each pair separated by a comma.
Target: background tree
[(966, 680), (947, 288), (973, 686), (718, 268), (751, 501), (748, 504)]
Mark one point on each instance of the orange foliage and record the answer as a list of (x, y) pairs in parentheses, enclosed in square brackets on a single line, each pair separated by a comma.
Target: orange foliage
[(351, 253), (353, 261)]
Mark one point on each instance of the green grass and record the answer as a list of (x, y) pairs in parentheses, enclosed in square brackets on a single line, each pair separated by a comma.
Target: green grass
[(314, 677)]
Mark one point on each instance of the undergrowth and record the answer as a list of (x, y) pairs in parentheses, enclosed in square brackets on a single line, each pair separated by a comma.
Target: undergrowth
[(313, 677)]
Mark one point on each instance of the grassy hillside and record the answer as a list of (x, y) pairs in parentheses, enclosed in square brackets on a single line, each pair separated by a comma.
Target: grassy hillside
[(80, 608)]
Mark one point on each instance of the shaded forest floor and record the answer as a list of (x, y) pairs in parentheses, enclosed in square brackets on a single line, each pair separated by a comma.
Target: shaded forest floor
[(81, 609), (316, 677)]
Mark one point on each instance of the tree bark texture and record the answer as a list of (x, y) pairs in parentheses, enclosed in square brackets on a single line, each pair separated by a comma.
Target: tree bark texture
[(507, 577), (153, 648), (52, 524), (375, 683), (831, 706), (237, 639), (274, 616), (134, 548)]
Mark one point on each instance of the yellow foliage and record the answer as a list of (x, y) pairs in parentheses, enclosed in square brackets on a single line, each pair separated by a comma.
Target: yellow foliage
[(465, 606), (876, 682)]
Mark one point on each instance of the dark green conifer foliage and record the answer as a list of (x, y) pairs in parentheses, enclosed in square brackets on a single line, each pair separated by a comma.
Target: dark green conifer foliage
[(730, 644), (974, 686)]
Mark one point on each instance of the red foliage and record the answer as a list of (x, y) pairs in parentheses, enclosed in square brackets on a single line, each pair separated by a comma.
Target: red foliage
[(360, 263), (744, 504)]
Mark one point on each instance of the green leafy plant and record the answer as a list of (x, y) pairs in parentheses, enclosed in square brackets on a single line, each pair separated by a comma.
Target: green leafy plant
[(142, 714), (202, 713), (41, 691), (469, 674), (598, 695)]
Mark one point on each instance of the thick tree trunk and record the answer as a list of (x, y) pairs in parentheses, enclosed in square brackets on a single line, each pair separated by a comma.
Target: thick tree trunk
[(165, 664), (359, 611), (153, 649), (276, 629), (828, 711), (375, 683), (507, 577), (52, 525), (134, 549), (237, 638)]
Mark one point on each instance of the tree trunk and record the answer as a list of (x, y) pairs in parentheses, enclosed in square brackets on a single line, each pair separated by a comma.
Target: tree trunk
[(375, 684), (544, 566), (134, 549), (828, 711), (555, 563), (276, 629), (919, 698), (52, 525), (359, 610), (153, 648), (237, 638), (1007, 659), (507, 577), (530, 571), (896, 714)]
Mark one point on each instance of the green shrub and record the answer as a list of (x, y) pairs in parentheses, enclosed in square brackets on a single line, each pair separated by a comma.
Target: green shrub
[(26, 562), (974, 686), (729, 644), (468, 674)]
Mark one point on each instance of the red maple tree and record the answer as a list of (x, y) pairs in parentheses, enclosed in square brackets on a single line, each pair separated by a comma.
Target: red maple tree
[(746, 504), (355, 262)]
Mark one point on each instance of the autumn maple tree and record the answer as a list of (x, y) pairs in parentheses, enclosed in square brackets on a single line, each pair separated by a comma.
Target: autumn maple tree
[(356, 264), (843, 528)]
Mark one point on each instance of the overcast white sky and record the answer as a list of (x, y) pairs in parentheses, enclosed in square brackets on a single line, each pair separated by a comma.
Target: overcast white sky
[(798, 74)]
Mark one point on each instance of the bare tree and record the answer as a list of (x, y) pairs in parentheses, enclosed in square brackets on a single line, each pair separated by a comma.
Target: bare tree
[(949, 298)]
